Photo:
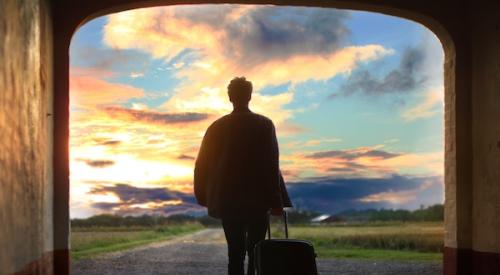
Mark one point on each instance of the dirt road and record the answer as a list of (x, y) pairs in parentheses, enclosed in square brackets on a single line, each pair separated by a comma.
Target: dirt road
[(205, 252)]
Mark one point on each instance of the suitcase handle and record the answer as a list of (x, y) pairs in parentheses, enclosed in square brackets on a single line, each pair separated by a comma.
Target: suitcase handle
[(285, 219)]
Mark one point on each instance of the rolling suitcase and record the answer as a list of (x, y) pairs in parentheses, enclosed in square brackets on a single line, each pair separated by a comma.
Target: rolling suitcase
[(284, 256)]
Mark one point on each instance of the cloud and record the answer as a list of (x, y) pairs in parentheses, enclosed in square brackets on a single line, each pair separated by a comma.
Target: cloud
[(90, 92), (365, 162), (156, 117), (135, 164), (98, 163), (272, 33), (166, 208), (91, 72), (405, 78), (136, 74), (396, 197), (109, 142), (323, 194), (349, 168), (311, 142), (336, 195), (186, 157), (289, 173), (202, 90), (318, 67), (425, 163), (420, 72), (353, 154), (267, 44), (314, 142), (107, 59), (289, 128), (431, 105), (244, 34), (132, 194), (136, 200)]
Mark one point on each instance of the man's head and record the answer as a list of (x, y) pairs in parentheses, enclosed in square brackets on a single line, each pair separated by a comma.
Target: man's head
[(239, 91)]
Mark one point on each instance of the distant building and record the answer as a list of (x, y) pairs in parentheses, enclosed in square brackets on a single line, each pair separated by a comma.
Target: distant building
[(325, 218)]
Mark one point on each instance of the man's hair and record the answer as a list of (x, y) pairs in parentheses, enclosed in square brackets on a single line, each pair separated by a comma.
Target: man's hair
[(239, 90)]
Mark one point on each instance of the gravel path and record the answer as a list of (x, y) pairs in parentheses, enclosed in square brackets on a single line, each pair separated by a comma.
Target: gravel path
[(205, 252)]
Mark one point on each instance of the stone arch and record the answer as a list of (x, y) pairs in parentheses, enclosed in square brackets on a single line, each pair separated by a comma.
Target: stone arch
[(68, 16)]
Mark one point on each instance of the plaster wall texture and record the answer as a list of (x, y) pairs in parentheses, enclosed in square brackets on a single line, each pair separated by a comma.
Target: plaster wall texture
[(458, 171), (26, 188), (485, 41), (450, 221)]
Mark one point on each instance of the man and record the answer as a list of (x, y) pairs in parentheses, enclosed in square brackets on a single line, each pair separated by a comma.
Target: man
[(237, 176)]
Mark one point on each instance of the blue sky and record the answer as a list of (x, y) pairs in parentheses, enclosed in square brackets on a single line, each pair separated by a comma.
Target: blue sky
[(356, 97)]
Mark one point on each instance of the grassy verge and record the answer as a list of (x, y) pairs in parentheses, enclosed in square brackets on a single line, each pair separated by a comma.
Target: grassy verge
[(377, 254), (391, 241), (89, 242)]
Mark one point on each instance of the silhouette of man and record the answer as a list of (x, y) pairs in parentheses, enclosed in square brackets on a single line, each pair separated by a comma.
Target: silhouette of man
[(237, 175)]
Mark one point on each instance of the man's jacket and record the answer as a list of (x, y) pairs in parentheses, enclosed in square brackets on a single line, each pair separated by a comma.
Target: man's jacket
[(237, 168)]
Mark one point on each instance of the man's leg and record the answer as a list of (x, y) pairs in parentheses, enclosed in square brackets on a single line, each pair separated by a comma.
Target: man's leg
[(234, 229), (257, 228)]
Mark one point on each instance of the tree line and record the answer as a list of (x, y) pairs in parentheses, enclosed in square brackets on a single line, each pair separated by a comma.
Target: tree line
[(430, 213), (295, 216)]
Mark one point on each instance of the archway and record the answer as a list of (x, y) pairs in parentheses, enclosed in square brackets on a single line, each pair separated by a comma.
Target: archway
[(457, 219)]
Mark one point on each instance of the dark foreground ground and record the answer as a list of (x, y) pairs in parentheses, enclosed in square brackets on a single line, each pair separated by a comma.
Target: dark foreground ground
[(205, 252)]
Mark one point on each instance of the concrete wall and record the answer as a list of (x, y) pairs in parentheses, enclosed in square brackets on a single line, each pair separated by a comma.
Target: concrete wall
[(26, 136), (485, 41), (472, 213)]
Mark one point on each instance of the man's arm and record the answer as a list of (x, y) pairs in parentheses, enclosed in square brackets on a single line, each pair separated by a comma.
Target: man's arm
[(201, 170)]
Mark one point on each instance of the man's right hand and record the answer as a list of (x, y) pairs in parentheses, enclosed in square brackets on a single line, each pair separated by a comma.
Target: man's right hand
[(277, 211)]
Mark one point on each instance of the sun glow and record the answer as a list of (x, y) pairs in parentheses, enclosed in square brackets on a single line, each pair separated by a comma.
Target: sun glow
[(105, 197), (127, 168), (155, 205)]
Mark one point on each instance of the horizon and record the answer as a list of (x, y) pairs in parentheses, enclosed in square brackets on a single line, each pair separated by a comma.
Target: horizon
[(346, 212), (356, 97)]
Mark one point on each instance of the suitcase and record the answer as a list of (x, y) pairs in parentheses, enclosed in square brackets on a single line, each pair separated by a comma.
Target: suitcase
[(284, 256)]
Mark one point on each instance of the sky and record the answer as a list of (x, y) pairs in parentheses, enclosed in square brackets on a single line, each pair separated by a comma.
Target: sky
[(356, 98)]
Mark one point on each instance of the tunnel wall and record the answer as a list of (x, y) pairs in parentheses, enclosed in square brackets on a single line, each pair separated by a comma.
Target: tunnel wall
[(472, 204), (26, 238), (485, 63)]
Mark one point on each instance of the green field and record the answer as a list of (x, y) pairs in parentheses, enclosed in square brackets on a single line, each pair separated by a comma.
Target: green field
[(421, 241), (402, 241), (90, 241)]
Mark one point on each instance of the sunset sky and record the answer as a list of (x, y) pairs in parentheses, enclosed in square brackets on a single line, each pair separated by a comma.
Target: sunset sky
[(356, 97)]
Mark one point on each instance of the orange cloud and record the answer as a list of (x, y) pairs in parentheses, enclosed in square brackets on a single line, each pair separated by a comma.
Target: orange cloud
[(154, 117), (115, 144), (89, 92), (369, 162), (209, 32), (418, 163), (397, 197), (431, 105)]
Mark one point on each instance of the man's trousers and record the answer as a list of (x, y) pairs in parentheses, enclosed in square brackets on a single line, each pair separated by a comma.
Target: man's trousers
[(242, 233)]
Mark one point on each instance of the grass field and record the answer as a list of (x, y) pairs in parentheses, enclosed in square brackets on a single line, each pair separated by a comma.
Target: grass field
[(88, 242), (417, 241), (421, 241)]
